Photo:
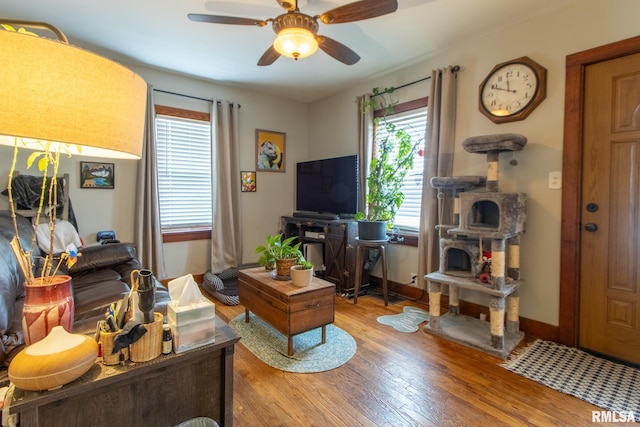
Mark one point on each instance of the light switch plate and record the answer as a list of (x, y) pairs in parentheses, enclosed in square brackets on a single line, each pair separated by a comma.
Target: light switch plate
[(555, 180)]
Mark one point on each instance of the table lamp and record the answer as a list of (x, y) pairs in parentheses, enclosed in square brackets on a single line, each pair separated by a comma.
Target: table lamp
[(63, 99)]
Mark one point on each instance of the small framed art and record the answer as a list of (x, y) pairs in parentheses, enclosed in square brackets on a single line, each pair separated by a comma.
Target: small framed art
[(97, 175), (270, 151), (248, 181)]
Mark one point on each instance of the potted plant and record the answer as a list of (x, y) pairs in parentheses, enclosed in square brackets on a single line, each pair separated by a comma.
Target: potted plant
[(393, 159), (45, 292), (281, 253), (302, 273)]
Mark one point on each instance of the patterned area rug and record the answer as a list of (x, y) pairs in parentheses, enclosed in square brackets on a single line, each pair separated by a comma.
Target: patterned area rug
[(603, 383), (309, 354), (407, 321)]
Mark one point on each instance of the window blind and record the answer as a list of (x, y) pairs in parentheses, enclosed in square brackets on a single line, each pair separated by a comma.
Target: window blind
[(184, 173)]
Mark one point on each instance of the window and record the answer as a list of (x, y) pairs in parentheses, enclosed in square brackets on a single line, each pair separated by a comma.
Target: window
[(184, 169), (411, 116)]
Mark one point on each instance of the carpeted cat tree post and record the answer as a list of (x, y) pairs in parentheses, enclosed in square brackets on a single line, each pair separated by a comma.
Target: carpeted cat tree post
[(483, 253)]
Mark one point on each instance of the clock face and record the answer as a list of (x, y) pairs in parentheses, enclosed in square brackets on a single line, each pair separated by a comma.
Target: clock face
[(509, 89), (512, 90)]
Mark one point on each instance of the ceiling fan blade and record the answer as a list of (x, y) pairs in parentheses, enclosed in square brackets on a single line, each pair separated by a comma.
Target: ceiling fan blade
[(268, 57), (337, 50), (231, 20), (359, 10)]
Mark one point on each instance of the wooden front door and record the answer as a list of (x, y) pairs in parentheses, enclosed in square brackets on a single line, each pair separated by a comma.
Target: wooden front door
[(610, 217)]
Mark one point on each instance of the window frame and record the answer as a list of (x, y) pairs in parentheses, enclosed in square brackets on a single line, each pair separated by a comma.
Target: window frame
[(409, 238), (187, 234)]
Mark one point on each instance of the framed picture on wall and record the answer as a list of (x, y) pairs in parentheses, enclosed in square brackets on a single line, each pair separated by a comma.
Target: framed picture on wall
[(248, 181), (270, 151), (97, 175)]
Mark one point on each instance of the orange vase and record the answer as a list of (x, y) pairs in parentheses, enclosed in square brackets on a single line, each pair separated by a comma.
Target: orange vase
[(47, 305)]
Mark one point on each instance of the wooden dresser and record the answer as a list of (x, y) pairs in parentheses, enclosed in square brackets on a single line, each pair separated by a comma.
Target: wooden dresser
[(165, 391)]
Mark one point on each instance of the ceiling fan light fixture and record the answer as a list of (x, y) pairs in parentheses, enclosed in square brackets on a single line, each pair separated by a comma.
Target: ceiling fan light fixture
[(295, 43), (297, 33)]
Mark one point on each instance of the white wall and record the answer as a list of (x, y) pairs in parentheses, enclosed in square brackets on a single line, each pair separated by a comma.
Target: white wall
[(547, 40)]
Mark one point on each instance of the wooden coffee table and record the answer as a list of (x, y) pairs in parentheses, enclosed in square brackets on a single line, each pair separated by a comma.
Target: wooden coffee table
[(289, 309)]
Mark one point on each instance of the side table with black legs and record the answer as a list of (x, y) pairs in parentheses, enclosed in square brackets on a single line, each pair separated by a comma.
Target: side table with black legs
[(363, 247)]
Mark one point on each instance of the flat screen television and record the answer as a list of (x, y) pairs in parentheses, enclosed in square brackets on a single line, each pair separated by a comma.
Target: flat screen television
[(328, 186)]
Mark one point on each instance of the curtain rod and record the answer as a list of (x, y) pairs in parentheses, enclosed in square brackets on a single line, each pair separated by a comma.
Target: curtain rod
[(186, 96), (454, 69)]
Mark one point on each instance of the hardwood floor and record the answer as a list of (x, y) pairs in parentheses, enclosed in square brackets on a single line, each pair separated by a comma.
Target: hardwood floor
[(395, 379)]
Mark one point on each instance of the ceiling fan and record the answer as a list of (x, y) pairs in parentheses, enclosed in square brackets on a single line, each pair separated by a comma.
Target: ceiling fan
[(297, 33)]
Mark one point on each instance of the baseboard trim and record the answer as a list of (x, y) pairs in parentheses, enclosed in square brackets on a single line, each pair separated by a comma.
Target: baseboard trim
[(532, 328)]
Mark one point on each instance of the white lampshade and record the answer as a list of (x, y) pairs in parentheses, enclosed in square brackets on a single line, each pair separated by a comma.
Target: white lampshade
[(52, 91), (295, 43)]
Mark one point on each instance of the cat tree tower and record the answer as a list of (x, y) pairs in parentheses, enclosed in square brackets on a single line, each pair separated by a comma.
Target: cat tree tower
[(482, 253)]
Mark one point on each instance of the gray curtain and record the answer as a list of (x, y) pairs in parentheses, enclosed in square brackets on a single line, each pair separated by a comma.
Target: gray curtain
[(365, 147), (438, 161), (226, 230), (148, 235)]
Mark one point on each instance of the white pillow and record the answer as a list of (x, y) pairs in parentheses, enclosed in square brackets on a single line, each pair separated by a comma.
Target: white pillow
[(64, 234)]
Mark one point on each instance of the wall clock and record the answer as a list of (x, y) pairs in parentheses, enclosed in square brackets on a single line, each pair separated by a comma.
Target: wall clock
[(512, 90)]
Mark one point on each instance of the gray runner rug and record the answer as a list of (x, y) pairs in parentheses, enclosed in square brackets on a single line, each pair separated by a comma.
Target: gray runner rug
[(309, 354), (603, 383)]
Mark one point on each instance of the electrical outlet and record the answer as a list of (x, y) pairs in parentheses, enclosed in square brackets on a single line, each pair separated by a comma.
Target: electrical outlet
[(414, 276)]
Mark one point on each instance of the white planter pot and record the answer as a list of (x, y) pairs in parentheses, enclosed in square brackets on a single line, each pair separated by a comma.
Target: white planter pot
[(301, 277)]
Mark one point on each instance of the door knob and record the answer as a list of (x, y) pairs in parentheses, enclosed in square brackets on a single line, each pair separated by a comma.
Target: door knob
[(592, 207), (591, 227)]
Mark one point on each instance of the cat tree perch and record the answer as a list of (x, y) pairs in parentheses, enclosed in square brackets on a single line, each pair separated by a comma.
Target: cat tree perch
[(480, 216)]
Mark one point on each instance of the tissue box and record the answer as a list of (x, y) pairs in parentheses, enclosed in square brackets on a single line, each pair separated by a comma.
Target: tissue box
[(192, 326), (203, 309), (192, 335)]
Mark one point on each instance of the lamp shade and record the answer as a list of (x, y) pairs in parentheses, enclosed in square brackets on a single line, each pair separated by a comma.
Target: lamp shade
[(295, 43), (55, 92), (296, 35)]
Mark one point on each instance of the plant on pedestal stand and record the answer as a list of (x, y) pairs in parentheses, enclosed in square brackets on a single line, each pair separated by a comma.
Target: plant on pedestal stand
[(392, 159)]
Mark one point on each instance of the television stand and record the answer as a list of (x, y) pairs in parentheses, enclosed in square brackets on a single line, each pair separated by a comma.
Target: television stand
[(316, 215), (338, 240)]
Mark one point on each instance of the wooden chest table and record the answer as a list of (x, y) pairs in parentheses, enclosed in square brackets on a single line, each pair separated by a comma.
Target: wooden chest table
[(289, 309)]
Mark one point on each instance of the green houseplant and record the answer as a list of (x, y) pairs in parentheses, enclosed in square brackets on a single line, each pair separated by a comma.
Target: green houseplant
[(392, 160), (279, 252)]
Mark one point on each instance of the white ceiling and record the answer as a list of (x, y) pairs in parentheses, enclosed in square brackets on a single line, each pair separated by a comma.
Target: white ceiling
[(158, 33)]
